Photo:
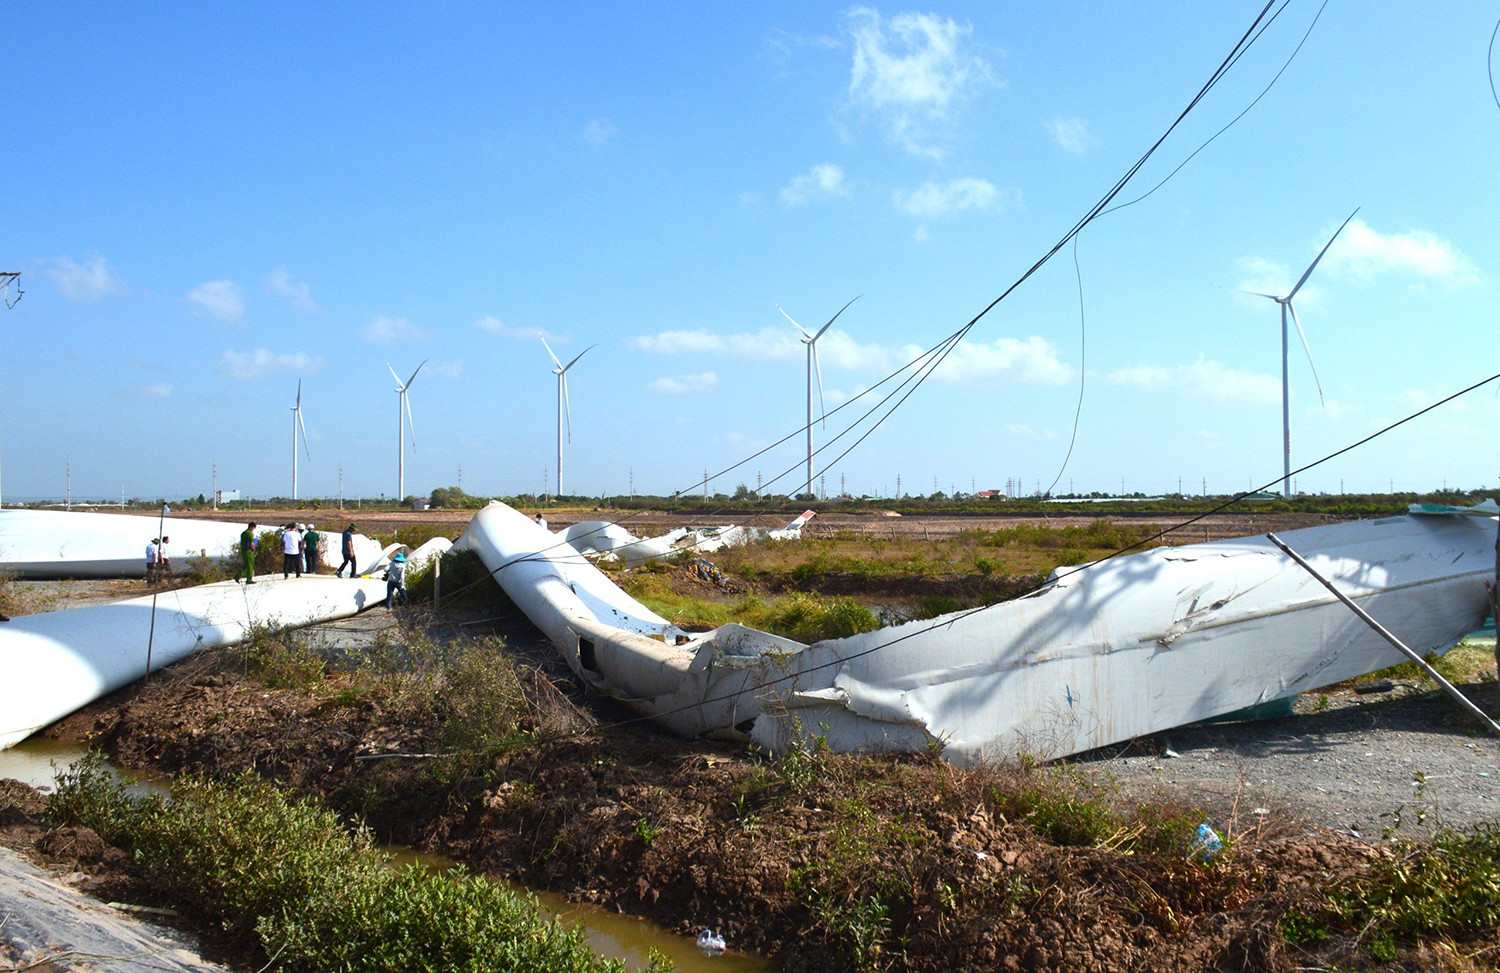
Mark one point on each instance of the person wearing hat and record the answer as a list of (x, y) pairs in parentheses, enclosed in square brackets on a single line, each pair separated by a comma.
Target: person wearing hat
[(312, 541), (395, 581), (349, 553)]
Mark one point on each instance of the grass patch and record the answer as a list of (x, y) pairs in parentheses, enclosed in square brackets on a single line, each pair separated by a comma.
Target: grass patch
[(803, 617), (283, 878), (1465, 663)]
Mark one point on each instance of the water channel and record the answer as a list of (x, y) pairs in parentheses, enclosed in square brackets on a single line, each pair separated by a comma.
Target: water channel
[(37, 762)]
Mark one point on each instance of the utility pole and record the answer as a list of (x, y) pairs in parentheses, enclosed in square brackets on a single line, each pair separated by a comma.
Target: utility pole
[(68, 504), (632, 482), (460, 477), (546, 488), (823, 485), (214, 501), (898, 486), (341, 486), (705, 484), (843, 491), (757, 481)]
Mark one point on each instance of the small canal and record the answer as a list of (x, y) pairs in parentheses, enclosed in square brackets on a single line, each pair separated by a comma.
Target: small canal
[(37, 762)]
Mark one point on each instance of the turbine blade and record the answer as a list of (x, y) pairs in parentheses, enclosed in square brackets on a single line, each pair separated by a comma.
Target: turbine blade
[(1305, 348), (835, 317), (399, 386), (1308, 273), (580, 355), (818, 370), (562, 378), (302, 426), (805, 333), (549, 349), (414, 374), (406, 404), (1259, 294), (299, 393)]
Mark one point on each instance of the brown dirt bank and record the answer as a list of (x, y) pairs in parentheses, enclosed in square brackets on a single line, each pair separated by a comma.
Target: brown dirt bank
[(825, 862)]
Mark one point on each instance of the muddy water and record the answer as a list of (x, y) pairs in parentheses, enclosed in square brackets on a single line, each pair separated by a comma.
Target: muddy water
[(38, 762)]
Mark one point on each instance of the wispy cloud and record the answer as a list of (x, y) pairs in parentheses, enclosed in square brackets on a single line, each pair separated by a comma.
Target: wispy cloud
[(1367, 253), (221, 299), (160, 390), (823, 181), (683, 384), (88, 281), (913, 70), (1204, 380), (1071, 134), (246, 365), (282, 284), (444, 369), (780, 45), (490, 324), (955, 195), (388, 331), (1032, 360), (599, 130)]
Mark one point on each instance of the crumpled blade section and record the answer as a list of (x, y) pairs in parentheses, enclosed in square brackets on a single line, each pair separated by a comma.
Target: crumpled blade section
[(1111, 651)]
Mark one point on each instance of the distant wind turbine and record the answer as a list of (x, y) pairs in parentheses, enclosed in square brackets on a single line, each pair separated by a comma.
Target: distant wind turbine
[(814, 368), (563, 408), (297, 427), (403, 417), (1287, 308)]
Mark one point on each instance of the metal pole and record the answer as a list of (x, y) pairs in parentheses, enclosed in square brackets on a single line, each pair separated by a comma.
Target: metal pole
[(1381, 630), (809, 487)]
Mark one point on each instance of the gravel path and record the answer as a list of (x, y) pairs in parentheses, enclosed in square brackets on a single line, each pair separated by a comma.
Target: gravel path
[(1401, 762)]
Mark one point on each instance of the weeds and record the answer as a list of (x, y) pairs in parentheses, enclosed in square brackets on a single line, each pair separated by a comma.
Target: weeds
[(284, 877)]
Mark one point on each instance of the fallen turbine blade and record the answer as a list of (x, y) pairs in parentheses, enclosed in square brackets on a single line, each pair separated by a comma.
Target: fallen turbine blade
[(1308, 273)]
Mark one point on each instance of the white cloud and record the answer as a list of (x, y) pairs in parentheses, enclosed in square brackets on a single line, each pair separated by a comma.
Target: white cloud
[(822, 181), (493, 325), (1367, 253), (444, 369), (261, 362), (88, 281), (1032, 360), (1204, 379), (912, 69), (222, 299), (1023, 359), (599, 131), (683, 384), (387, 331), (953, 196), (161, 390), (1071, 134), (282, 284), (768, 344)]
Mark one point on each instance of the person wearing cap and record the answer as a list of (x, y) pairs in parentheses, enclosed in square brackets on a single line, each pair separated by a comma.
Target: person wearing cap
[(349, 553), (312, 539), (248, 544), (151, 552), (163, 563), (395, 581)]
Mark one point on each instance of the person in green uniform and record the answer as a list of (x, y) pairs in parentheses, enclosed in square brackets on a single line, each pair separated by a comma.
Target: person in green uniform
[(248, 544), (311, 541)]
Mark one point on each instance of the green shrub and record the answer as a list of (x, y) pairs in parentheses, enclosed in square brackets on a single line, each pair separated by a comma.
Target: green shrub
[(285, 876), (1447, 888)]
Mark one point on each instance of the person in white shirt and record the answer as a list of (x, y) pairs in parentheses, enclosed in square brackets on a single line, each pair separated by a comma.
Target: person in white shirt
[(291, 551), (541, 521), (151, 559)]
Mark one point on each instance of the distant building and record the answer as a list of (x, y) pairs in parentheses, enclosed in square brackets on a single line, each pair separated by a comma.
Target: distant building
[(991, 494)]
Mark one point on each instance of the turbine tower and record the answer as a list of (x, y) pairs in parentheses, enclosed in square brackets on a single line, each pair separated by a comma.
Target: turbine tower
[(1287, 308), (563, 408), (297, 427), (403, 412), (814, 368)]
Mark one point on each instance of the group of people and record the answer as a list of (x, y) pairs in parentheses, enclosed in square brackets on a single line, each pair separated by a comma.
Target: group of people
[(157, 562), (301, 548)]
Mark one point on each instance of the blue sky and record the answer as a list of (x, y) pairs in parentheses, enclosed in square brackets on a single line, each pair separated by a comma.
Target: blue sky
[(210, 203)]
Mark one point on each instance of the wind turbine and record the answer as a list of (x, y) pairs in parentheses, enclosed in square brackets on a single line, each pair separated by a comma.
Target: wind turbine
[(297, 426), (563, 408), (403, 411), (813, 368), (1287, 308)]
